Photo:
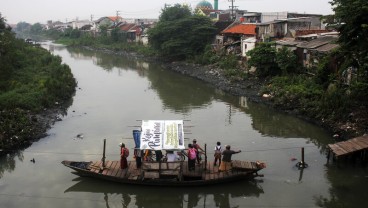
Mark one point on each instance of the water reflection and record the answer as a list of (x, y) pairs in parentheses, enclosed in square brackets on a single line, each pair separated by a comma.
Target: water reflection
[(108, 61), (348, 186), (174, 93), (8, 162), (143, 196), (166, 83)]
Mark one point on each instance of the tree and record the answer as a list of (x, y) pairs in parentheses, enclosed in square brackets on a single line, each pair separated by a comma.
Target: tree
[(179, 34), (23, 27), (287, 61), (353, 39), (263, 57), (7, 54), (174, 13), (36, 29)]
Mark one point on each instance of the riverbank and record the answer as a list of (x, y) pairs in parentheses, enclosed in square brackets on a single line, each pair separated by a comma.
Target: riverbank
[(251, 87), (36, 89)]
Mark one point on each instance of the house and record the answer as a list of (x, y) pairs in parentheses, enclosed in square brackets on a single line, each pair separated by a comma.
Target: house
[(278, 29), (238, 38), (315, 19), (289, 43), (82, 24), (310, 52), (132, 30), (107, 21), (251, 17), (135, 32)]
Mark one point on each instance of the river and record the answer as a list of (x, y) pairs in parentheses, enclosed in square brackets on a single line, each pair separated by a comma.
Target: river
[(115, 92)]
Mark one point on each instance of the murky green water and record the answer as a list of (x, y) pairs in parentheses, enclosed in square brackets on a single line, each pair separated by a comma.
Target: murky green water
[(114, 92)]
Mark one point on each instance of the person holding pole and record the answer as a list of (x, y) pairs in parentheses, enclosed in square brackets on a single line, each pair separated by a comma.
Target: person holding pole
[(197, 147), (226, 158)]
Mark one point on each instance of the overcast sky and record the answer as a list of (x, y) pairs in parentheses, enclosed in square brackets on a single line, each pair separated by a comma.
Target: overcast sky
[(33, 11)]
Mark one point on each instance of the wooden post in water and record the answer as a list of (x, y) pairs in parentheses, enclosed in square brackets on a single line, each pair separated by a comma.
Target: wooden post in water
[(205, 156), (103, 154), (328, 155), (302, 163)]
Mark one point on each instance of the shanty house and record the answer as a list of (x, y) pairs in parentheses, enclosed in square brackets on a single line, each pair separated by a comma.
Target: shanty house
[(310, 52), (239, 38)]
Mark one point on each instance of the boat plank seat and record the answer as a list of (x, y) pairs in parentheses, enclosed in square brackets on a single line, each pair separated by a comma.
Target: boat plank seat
[(95, 167), (153, 170), (150, 166), (243, 165), (150, 175)]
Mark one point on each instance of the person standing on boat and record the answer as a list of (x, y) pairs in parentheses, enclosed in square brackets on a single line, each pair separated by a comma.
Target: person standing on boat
[(226, 158), (124, 153), (192, 155), (147, 155), (138, 157), (197, 147), (218, 151), (159, 155)]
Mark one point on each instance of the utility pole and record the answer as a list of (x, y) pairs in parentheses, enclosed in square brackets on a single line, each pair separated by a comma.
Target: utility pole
[(91, 17), (117, 17), (232, 7)]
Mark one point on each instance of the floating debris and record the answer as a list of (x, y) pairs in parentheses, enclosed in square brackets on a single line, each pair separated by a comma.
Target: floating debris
[(79, 136)]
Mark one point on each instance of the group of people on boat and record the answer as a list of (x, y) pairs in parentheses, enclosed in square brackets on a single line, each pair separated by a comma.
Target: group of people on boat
[(223, 157)]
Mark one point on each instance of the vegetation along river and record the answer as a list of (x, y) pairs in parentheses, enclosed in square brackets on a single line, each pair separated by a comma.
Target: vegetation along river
[(114, 92)]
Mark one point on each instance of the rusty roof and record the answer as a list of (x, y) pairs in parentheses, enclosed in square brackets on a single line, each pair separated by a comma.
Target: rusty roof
[(127, 27), (245, 29)]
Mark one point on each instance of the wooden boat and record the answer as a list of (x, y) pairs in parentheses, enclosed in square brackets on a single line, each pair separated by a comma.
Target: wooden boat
[(164, 135), (165, 173)]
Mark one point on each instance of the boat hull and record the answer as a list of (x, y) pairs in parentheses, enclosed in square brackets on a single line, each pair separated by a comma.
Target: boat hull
[(162, 174)]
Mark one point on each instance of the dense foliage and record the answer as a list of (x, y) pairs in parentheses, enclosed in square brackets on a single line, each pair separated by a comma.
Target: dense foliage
[(353, 27), (31, 79), (180, 34), (326, 94), (263, 57), (268, 61)]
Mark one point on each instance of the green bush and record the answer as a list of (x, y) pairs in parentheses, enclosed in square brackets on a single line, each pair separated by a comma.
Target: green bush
[(228, 62)]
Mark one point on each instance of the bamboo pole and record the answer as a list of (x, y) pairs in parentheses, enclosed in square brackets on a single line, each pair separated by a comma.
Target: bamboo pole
[(104, 154), (205, 156)]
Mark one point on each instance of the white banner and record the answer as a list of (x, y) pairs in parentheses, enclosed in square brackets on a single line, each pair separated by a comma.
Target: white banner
[(162, 134)]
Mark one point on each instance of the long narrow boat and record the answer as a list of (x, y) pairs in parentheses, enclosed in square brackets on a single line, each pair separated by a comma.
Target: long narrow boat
[(164, 135), (165, 173)]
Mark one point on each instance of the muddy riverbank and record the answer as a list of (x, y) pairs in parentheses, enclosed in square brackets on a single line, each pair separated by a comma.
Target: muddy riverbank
[(251, 88)]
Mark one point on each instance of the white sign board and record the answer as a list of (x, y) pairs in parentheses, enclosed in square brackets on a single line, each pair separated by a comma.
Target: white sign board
[(162, 135)]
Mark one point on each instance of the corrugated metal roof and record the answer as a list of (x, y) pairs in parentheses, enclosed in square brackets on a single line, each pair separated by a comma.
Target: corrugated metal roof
[(246, 29), (327, 48), (127, 27), (288, 42), (318, 42)]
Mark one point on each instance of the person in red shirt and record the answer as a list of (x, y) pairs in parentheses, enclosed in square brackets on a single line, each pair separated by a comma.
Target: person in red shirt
[(124, 153), (192, 155), (197, 147)]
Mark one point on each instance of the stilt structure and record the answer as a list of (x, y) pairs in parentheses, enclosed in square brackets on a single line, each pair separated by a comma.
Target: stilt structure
[(356, 146)]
